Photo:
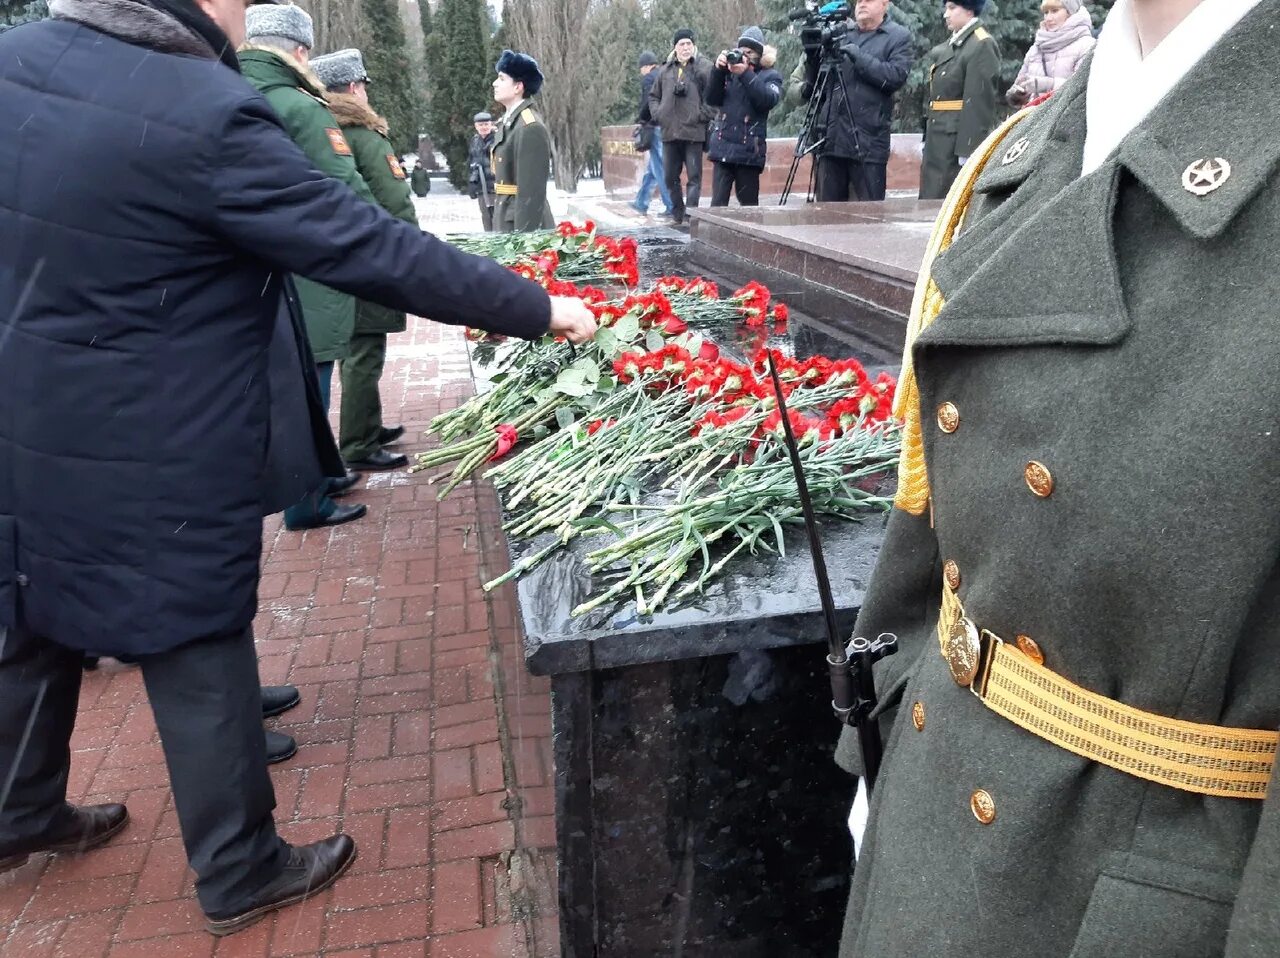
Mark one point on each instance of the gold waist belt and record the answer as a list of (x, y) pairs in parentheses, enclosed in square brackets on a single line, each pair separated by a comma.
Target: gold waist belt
[(946, 106), (1010, 680), (504, 189)]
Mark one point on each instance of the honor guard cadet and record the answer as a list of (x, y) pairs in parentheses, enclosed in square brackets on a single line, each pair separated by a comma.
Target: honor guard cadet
[(521, 149), (1082, 566), (964, 77), (361, 432)]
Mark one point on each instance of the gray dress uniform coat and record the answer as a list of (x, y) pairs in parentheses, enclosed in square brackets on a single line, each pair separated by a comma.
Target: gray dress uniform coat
[(1123, 332), (964, 80)]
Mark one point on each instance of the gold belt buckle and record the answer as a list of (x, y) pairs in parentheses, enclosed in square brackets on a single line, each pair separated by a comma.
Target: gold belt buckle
[(969, 652)]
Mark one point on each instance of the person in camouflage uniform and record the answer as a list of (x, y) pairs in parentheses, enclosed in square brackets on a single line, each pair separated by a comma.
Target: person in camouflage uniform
[(521, 150), (362, 434), (964, 79)]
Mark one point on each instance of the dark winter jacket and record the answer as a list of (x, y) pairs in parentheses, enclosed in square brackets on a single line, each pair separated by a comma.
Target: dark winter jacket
[(645, 113), (481, 161), (297, 96), (682, 115), (376, 161), (740, 132), (874, 64), (140, 305)]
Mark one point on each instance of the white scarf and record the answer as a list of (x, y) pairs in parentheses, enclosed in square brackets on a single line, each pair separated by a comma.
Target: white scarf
[(1125, 86)]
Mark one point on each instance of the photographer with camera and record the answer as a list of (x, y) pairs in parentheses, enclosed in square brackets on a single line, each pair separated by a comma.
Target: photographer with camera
[(871, 58), (745, 87), (678, 102)]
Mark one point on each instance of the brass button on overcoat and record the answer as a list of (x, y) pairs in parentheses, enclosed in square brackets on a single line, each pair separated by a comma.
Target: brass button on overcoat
[(1031, 649), (917, 716), (951, 572), (948, 417), (1039, 479), (983, 806)]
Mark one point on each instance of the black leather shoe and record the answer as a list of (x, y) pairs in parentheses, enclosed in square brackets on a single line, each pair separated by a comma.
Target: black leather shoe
[(280, 747), (310, 870), (336, 518), (380, 461), (340, 487), (279, 698), (88, 826), (390, 434)]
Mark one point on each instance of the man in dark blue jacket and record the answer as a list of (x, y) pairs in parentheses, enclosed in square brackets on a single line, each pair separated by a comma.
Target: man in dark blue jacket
[(745, 90), (146, 367), (874, 59)]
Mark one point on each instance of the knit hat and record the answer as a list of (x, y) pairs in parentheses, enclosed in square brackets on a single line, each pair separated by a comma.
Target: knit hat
[(974, 5), (1071, 6), (682, 34), (523, 69), (340, 69), (482, 117), (647, 58), (752, 37), (279, 20)]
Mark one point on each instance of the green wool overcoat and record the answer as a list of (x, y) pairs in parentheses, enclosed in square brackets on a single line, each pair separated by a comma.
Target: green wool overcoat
[(380, 168), (1122, 331), (521, 166), (960, 107), (298, 98)]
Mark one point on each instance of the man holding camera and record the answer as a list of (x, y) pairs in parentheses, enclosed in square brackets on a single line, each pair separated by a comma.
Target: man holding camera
[(745, 87), (481, 182), (870, 57), (964, 79), (678, 102)]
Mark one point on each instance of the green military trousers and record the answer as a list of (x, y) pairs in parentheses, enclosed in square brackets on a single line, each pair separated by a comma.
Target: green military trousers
[(361, 418)]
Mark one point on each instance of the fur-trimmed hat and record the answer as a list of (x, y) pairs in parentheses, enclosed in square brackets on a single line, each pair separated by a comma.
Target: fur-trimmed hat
[(752, 38), (522, 68), (974, 5), (279, 20), (340, 69)]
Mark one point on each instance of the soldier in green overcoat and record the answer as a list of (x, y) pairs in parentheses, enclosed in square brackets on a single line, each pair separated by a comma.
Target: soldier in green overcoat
[(964, 80), (1083, 565), (275, 62), (362, 434), (521, 149)]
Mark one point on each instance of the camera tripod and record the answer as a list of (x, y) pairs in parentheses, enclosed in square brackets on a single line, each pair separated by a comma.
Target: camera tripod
[(817, 118)]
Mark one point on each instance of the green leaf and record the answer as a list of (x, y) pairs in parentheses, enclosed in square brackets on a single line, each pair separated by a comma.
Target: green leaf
[(575, 388), (607, 342), (564, 417), (626, 329), (607, 384), (653, 341)]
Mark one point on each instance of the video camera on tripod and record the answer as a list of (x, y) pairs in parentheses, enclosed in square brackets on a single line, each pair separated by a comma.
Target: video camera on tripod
[(823, 27)]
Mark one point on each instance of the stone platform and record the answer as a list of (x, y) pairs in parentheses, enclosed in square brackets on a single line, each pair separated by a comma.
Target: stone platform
[(850, 265)]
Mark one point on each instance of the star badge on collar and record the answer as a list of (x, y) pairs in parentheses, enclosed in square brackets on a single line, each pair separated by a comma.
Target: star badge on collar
[(1204, 176), (1016, 152)]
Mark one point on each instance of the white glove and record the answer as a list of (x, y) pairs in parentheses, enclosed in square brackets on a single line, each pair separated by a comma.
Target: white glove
[(964, 160), (858, 817)]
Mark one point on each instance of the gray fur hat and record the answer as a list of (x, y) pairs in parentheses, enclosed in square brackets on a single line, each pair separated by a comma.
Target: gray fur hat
[(279, 20), (340, 69)]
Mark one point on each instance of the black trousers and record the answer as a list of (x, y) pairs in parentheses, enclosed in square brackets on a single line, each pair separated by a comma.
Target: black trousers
[(841, 179), (727, 178), (208, 706), (686, 155), (486, 213)]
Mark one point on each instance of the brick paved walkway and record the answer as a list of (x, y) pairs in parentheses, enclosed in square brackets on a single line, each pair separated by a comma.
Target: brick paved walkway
[(419, 734)]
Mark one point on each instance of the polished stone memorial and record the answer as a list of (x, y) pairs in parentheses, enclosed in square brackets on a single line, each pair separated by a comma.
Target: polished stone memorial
[(698, 811)]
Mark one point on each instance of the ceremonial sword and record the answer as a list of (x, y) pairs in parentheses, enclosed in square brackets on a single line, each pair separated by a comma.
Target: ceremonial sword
[(853, 689)]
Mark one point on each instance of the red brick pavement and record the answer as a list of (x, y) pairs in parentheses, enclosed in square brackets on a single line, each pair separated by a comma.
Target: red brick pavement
[(405, 739)]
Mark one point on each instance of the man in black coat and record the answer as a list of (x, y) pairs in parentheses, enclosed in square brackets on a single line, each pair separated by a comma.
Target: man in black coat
[(872, 61), (146, 366), (678, 104), (481, 182)]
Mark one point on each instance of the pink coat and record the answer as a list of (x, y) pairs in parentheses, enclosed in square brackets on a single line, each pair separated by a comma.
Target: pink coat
[(1056, 54)]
